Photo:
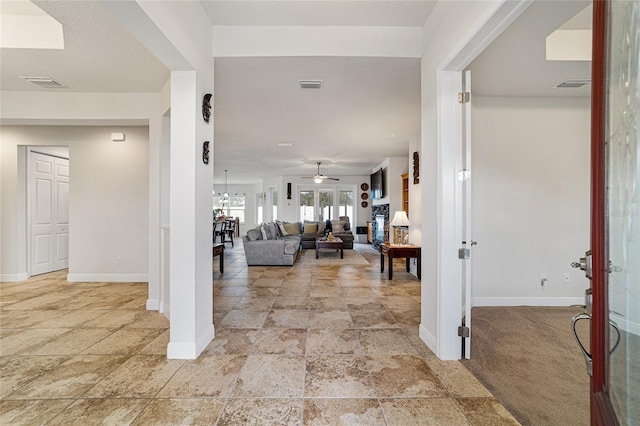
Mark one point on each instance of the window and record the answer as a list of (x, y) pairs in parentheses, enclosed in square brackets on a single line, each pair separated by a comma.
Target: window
[(306, 205), (274, 204), (232, 207), (325, 201), (345, 206)]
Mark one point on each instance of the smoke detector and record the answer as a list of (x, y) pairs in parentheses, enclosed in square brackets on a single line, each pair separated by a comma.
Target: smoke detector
[(44, 82), (310, 84), (573, 83)]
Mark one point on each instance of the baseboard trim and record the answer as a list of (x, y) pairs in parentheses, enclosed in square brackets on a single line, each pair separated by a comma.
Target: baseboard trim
[(177, 350), (12, 278), (153, 304), (108, 278), (428, 338), (527, 301)]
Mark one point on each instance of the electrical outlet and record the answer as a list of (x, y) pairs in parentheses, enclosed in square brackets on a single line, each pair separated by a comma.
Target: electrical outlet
[(566, 277), (118, 260)]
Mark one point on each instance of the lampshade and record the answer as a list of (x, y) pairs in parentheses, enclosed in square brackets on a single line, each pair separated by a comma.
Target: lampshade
[(400, 219)]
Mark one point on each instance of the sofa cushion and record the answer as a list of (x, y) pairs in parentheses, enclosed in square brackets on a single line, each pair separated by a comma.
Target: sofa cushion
[(291, 246), (254, 234), (310, 228), (272, 231), (292, 228)]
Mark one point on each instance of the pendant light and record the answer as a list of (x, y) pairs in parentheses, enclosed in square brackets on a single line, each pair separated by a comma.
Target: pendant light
[(226, 186)]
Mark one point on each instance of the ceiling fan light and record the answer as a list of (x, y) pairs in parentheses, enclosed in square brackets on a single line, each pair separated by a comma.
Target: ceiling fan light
[(317, 179)]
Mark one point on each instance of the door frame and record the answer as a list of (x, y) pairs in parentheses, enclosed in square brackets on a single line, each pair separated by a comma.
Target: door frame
[(446, 343)]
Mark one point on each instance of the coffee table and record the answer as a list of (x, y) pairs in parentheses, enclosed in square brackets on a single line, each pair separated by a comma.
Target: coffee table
[(336, 244)]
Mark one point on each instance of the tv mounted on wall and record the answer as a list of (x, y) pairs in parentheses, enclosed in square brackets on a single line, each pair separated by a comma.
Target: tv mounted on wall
[(377, 184)]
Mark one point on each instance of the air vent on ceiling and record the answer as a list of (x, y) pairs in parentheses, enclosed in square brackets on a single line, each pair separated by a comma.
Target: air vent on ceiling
[(573, 83), (310, 84), (44, 82)]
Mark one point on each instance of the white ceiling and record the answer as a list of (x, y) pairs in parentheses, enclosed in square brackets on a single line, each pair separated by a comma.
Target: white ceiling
[(257, 103), (515, 63)]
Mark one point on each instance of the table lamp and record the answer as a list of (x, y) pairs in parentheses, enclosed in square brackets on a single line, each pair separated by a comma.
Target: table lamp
[(400, 220)]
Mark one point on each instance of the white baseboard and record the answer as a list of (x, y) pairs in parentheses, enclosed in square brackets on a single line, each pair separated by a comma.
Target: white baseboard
[(12, 278), (108, 278), (527, 301), (153, 304), (190, 350), (428, 338), (626, 325)]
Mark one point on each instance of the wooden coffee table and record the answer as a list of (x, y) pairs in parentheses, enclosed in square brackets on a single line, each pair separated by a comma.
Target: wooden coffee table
[(336, 244)]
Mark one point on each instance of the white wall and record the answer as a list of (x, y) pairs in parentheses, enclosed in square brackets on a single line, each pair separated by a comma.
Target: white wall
[(108, 202), (530, 199)]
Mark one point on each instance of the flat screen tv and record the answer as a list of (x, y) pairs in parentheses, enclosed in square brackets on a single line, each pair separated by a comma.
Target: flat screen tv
[(377, 184)]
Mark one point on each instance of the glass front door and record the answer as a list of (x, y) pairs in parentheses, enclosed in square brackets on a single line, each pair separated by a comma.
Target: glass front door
[(623, 199)]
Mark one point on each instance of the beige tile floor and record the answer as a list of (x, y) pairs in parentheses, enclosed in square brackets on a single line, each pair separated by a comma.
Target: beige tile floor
[(311, 344)]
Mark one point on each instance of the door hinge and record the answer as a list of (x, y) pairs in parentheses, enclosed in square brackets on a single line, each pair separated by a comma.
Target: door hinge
[(463, 331), (464, 253), (464, 97), (464, 175)]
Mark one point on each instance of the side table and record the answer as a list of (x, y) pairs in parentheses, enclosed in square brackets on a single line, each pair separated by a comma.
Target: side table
[(399, 251)]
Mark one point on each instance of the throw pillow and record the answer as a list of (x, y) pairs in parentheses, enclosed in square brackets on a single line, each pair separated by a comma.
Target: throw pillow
[(292, 228), (338, 226), (254, 234), (310, 228), (283, 230), (263, 229)]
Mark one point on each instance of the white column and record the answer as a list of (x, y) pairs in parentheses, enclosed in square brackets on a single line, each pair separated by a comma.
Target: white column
[(191, 183)]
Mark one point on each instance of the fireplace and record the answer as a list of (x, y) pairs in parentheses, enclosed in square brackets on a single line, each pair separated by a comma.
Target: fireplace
[(379, 225)]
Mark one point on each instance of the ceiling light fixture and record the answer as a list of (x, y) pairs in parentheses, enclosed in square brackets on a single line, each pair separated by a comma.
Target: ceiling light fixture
[(285, 145), (317, 179)]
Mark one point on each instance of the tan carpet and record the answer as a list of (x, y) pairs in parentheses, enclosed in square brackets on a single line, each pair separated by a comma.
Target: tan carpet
[(528, 359), (330, 257)]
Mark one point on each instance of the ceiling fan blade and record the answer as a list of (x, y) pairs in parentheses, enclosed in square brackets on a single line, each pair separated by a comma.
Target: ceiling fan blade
[(331, 178)]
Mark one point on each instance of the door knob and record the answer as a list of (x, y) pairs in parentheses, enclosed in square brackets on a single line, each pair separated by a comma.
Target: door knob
[(584, 264)]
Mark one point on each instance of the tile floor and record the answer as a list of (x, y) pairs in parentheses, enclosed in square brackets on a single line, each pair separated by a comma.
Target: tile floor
[(311, 344)]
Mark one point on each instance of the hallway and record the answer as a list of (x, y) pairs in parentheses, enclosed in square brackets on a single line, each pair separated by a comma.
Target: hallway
[(311, 344)]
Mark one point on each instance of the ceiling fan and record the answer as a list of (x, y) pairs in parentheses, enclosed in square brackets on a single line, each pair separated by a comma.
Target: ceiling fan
[(319, 177)]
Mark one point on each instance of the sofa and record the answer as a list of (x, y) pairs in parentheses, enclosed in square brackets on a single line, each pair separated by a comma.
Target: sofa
[(340, 228), (272, 244)]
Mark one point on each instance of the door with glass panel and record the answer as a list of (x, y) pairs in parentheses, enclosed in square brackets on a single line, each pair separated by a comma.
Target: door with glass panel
[(613, 263), (322, 204)]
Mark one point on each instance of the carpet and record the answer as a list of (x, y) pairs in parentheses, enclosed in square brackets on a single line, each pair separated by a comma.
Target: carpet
[(330, 257), (527, 357)]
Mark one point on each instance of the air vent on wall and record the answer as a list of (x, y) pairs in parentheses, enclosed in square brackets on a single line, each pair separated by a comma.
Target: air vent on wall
[(44, 82), (310, 84), (573, 83)]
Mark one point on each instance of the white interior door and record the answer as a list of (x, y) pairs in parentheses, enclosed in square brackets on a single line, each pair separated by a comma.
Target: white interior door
[(49, 212), (467, 244)]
